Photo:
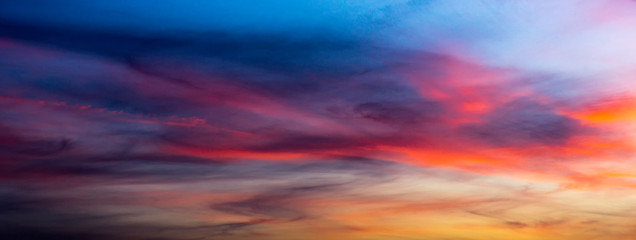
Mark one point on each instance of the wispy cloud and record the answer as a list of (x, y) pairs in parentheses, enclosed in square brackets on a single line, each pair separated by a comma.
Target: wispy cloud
[(372, 119)]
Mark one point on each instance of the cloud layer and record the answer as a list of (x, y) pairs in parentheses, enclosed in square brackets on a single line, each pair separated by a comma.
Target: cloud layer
[(317, 120)]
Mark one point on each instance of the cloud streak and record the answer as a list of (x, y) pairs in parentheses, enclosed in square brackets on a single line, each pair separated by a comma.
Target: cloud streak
[(319, 119)]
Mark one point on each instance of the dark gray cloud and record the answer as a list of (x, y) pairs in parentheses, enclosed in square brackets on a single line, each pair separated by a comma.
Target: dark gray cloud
[(525, 122), (280, 205), (13, 144), (414, 112)]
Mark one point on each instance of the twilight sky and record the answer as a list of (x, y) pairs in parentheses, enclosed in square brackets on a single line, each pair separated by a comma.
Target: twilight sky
[(318, 119)]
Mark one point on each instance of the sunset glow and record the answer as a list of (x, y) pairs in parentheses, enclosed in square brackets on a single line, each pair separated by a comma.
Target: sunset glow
[(318, 119)]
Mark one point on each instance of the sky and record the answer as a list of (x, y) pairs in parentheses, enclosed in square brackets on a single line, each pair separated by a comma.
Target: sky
[(318, 119)]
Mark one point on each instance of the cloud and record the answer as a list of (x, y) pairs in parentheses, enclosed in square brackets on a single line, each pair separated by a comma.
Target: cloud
[(396, 113), (353, 120), (523, 122)]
